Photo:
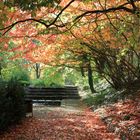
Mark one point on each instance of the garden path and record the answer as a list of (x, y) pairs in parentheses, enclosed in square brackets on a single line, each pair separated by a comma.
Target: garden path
[(60, 123)]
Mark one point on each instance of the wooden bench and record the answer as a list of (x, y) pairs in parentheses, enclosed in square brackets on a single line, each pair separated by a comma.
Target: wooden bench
[(49, 96)]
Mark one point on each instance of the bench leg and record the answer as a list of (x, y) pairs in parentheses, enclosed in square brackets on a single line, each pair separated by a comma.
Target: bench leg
[(29, 107)]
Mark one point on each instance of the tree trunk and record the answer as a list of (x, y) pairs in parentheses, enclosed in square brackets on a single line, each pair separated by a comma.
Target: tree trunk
[(37, 70), (82, 71), (90, 78), (0, 70)]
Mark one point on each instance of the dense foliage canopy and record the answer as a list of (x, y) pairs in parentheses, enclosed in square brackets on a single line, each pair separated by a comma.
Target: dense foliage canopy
[(93, 35)]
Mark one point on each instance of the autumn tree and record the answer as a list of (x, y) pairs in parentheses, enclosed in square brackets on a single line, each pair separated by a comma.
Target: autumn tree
[(101, 29), (111, 41)]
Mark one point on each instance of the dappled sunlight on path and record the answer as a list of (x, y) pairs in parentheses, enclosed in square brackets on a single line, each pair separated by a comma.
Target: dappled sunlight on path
[(60, 124)]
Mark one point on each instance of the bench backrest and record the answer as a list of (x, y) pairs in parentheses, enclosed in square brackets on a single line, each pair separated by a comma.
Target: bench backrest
[(34, 93)]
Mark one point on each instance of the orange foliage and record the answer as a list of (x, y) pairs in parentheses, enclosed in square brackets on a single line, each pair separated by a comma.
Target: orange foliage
[(92, 29)]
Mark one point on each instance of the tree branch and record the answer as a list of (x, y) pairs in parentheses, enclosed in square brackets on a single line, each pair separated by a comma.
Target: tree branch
[(133, 4), (21, 21), (112, 9), (61, 12), (37, 20)]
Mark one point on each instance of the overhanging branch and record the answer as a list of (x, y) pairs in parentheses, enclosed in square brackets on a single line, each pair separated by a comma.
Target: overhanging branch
[(37, 20), (112, 9), (122, 7)]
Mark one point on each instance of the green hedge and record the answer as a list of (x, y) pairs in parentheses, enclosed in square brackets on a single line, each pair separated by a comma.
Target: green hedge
[(12, 107)]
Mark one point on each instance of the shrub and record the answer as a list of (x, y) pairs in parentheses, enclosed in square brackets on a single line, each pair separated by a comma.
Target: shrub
[(38, 83), (42, 83), (15, 72), (95, 100), (54, 77), (12, 107), (104, 96), (16, 93)]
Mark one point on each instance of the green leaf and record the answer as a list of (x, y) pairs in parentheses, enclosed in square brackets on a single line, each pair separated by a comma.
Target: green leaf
[(1, 5), (11, 45)]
